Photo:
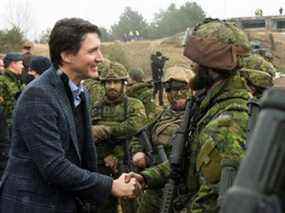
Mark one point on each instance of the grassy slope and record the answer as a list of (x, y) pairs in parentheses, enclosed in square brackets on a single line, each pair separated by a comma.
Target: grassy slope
[(137, 53)]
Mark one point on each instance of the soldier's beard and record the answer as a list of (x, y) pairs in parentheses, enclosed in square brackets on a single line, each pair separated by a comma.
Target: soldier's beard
[(113, 94), (201, 80)]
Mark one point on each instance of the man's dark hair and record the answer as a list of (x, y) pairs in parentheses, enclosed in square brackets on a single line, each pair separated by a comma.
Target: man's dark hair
[(67, 35)]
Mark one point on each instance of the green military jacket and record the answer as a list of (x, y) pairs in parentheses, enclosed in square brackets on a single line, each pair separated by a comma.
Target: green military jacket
[(10, 88), (95, 89), (220, 134), (143, 92), (161, 130), (125, 117)]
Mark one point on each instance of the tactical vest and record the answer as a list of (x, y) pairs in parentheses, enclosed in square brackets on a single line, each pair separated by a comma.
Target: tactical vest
[(101, 112), (164, 128)]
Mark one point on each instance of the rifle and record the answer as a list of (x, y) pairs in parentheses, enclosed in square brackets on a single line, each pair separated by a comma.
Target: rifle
[(161, 152), (175, 184), (260, 183), (253, 111), (144, 138)]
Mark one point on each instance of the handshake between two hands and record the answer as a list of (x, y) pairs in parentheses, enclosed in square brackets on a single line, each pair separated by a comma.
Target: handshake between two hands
[(128, 185)]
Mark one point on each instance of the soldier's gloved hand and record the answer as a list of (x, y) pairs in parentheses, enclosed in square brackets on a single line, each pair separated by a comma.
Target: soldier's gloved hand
[(140, 160), (100, 132), (111, 162)]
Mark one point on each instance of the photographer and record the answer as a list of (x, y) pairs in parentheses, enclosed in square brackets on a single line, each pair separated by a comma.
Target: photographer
[(157, 64)]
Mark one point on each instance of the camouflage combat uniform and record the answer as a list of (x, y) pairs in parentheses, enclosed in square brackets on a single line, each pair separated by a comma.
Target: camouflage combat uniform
[(124, 116), (162, 129), (95, 89), (220, 134), (10, 88), (143, 92), (258, 73), (220, 120)]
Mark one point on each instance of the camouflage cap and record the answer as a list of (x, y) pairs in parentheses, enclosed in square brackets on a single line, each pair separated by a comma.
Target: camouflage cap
[(12, 56), (114, 71), (178, 73), (217, 44)]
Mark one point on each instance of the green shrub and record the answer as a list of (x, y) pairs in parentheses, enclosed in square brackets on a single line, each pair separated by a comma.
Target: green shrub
[(11, 40)]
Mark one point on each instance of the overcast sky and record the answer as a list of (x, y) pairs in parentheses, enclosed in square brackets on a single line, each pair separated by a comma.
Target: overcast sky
[(106, 12)]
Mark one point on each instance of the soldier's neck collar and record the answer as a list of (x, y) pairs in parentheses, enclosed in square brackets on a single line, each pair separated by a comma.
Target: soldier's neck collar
[(10, 74)]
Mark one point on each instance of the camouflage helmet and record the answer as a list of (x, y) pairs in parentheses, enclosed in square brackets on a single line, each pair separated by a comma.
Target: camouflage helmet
[(114, 71), (257, 71), (178, 73), (257, 78), (216, 44), (257, 62), (103, 66), (136, 74)]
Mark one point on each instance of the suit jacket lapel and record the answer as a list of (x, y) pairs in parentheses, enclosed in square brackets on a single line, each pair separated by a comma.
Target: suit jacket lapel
[(90, 151), (66, 106)]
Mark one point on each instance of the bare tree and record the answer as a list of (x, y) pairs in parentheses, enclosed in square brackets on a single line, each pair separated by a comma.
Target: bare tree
[(19, 15)]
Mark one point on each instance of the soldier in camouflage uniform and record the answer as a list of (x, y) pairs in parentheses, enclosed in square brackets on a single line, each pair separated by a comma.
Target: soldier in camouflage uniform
[(10, 83), (218, 139), (10, 88), (259, 75), (115, 119), (258, 72), (141, 90), (94, 86), (176, 83)]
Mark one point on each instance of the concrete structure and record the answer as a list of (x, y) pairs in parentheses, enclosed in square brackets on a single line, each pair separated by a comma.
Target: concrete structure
[(260, 23)]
